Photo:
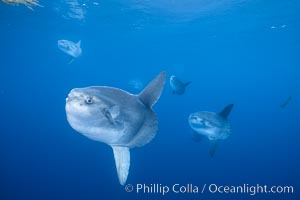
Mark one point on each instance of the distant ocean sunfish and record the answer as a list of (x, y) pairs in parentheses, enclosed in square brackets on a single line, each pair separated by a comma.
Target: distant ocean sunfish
[(286, 102), (116, 117), (136, 84), (71, 48), (177, 85), (213, 126)]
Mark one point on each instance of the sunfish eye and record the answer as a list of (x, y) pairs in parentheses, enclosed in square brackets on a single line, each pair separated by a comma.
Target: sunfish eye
[(194, 118), (89, 100)]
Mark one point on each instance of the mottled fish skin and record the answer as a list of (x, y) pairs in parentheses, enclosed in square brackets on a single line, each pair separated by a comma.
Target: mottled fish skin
[(116, 117), (178, 87), (211, 125), (71, 48)]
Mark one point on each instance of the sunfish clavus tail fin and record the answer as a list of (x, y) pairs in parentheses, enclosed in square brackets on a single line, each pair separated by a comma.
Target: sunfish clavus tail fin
[(152, 92), (122, 160)]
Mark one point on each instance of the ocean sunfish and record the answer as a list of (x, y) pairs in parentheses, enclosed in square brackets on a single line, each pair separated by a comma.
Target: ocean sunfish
[(137, 84), (27, 3), (213, 126), (177, 85), (286, 102), (71, 48), (116, 117)]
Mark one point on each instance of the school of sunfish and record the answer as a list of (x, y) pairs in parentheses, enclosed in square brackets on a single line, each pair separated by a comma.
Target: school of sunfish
[(125, 121)]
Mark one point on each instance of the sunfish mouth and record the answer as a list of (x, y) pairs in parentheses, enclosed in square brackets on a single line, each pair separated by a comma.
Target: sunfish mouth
[(73, 93), (69, 97)]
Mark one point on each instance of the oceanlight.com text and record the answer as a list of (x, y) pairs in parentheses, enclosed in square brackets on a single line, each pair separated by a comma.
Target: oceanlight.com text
[(190, 188), (250, 189)]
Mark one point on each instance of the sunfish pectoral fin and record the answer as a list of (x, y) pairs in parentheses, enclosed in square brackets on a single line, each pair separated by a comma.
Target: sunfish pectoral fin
[(213, 147), (122, 160), (153, 90), (226, 111), (114, 111)]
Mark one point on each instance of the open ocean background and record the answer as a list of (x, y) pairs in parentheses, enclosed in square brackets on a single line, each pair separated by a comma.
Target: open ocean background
[(245, 52)]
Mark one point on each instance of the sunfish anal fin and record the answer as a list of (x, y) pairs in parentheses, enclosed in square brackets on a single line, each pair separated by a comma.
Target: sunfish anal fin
[(213, 147), (153, 90), (71, 59), (122, 160)]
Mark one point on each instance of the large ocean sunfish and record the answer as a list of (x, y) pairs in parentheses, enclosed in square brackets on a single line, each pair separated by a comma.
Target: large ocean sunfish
[(213, 126), (116, 117)]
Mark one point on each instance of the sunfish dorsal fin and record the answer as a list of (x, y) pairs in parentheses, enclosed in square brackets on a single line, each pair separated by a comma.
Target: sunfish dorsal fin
[(153, 90), (79, 43), (187, 83), (226, 111), (122, 160)]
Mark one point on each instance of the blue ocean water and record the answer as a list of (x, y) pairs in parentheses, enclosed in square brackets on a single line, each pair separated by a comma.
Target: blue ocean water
[(244, 52)]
